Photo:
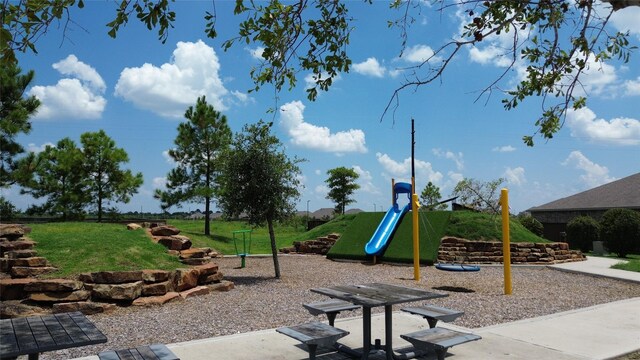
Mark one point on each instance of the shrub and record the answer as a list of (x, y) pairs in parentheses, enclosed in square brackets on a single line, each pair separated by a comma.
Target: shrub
[(621, 231), (531, 224), (582, 232)]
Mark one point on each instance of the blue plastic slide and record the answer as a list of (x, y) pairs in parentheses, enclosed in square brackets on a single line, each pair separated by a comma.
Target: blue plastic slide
[(381, 237)]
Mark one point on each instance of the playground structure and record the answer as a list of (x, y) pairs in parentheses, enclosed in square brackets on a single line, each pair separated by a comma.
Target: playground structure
[(390, 221), (245, 249), (384, 232)]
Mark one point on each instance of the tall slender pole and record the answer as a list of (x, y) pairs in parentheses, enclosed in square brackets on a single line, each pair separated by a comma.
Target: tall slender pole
[(506, 245), (414, 209)]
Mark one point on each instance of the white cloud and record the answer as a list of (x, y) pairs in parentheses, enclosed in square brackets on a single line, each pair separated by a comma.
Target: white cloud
[(159, 183), (310, 79), (370, 67), (78, 96), (515, 176), (627, 20), (632, 87), (38, 149), (457, 158), (597, 76), (320, 138), (365, 180), (321, 190), (168, 158), (506, 148), (418, 54), (594, 174), (402, 170), (618, 131), (256, 53), (318, 172), (168, 90)]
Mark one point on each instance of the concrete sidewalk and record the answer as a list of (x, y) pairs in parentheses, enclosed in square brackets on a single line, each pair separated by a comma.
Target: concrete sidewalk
[(599, 332), (599, 266)]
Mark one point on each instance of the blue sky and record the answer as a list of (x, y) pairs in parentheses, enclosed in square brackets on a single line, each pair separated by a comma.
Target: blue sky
[(137, 89)]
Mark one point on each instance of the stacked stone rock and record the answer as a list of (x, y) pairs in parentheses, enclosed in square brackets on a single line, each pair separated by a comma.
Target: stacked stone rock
[(18, 258), (101, 291), (180, 245), (321, 245), (456, 250)]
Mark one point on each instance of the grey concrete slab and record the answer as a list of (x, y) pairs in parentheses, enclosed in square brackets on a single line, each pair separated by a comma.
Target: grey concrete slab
[(598, 266), (598, 332)]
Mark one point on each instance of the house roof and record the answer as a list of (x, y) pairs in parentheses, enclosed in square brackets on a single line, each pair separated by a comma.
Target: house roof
[(623, 193)]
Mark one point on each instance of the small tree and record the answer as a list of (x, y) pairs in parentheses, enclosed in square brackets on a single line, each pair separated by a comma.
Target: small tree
[(14, 117), (342, 185), (260, 181), (7, 210), (621, 231), (479, 195), (101, 165), (582, 231), (430, 198), (200, 142), (57, 177)]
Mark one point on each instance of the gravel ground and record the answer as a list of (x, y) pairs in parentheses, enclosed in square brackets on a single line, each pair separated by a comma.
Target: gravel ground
[(259, 301)]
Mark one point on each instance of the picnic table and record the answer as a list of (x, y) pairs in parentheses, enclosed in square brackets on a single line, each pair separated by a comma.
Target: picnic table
[(373, 295), (37, 334)]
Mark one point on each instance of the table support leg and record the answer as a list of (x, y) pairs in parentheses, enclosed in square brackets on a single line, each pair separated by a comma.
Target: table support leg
[(35, 356), (388, 331), (366, 329)]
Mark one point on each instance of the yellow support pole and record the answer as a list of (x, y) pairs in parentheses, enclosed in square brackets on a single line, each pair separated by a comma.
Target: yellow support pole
[(506, 242)]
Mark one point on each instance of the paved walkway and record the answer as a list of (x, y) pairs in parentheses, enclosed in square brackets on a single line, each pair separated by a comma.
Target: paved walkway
[(600, 332)]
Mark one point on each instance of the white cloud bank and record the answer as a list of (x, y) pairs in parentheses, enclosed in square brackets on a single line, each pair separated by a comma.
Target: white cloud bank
[(77, 96), (306, 135), (402, 169), (169, 89), (515, 176), (594, 174), (618, 131)]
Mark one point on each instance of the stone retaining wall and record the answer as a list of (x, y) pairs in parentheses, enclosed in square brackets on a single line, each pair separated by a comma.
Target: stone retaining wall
[(23, 294), (102, 291), (456, 250)]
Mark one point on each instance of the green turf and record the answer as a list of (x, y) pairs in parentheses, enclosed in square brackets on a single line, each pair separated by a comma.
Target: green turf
[(432, 227), (480, 226)]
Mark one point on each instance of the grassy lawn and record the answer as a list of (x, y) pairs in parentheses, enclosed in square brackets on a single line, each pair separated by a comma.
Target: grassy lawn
[(221, 237), (87, 247), (633, 264)]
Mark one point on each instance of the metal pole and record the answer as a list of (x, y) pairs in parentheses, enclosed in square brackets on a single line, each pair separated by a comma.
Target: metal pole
[(414, 209)]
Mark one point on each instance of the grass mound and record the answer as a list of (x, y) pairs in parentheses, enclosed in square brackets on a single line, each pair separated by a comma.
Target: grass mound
[(75, 247), (400, 249), (433, 226)]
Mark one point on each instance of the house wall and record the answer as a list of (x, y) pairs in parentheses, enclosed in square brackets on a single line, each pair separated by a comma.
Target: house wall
[(555, 222)]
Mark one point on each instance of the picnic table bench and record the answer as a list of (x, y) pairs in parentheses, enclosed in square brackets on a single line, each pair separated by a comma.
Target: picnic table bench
[(438, 339), (148, 352), (37, 334), (434, 313), (330, 307), (314, 334)]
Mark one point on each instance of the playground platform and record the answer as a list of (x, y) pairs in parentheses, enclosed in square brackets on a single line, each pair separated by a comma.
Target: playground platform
[(603, 331)]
